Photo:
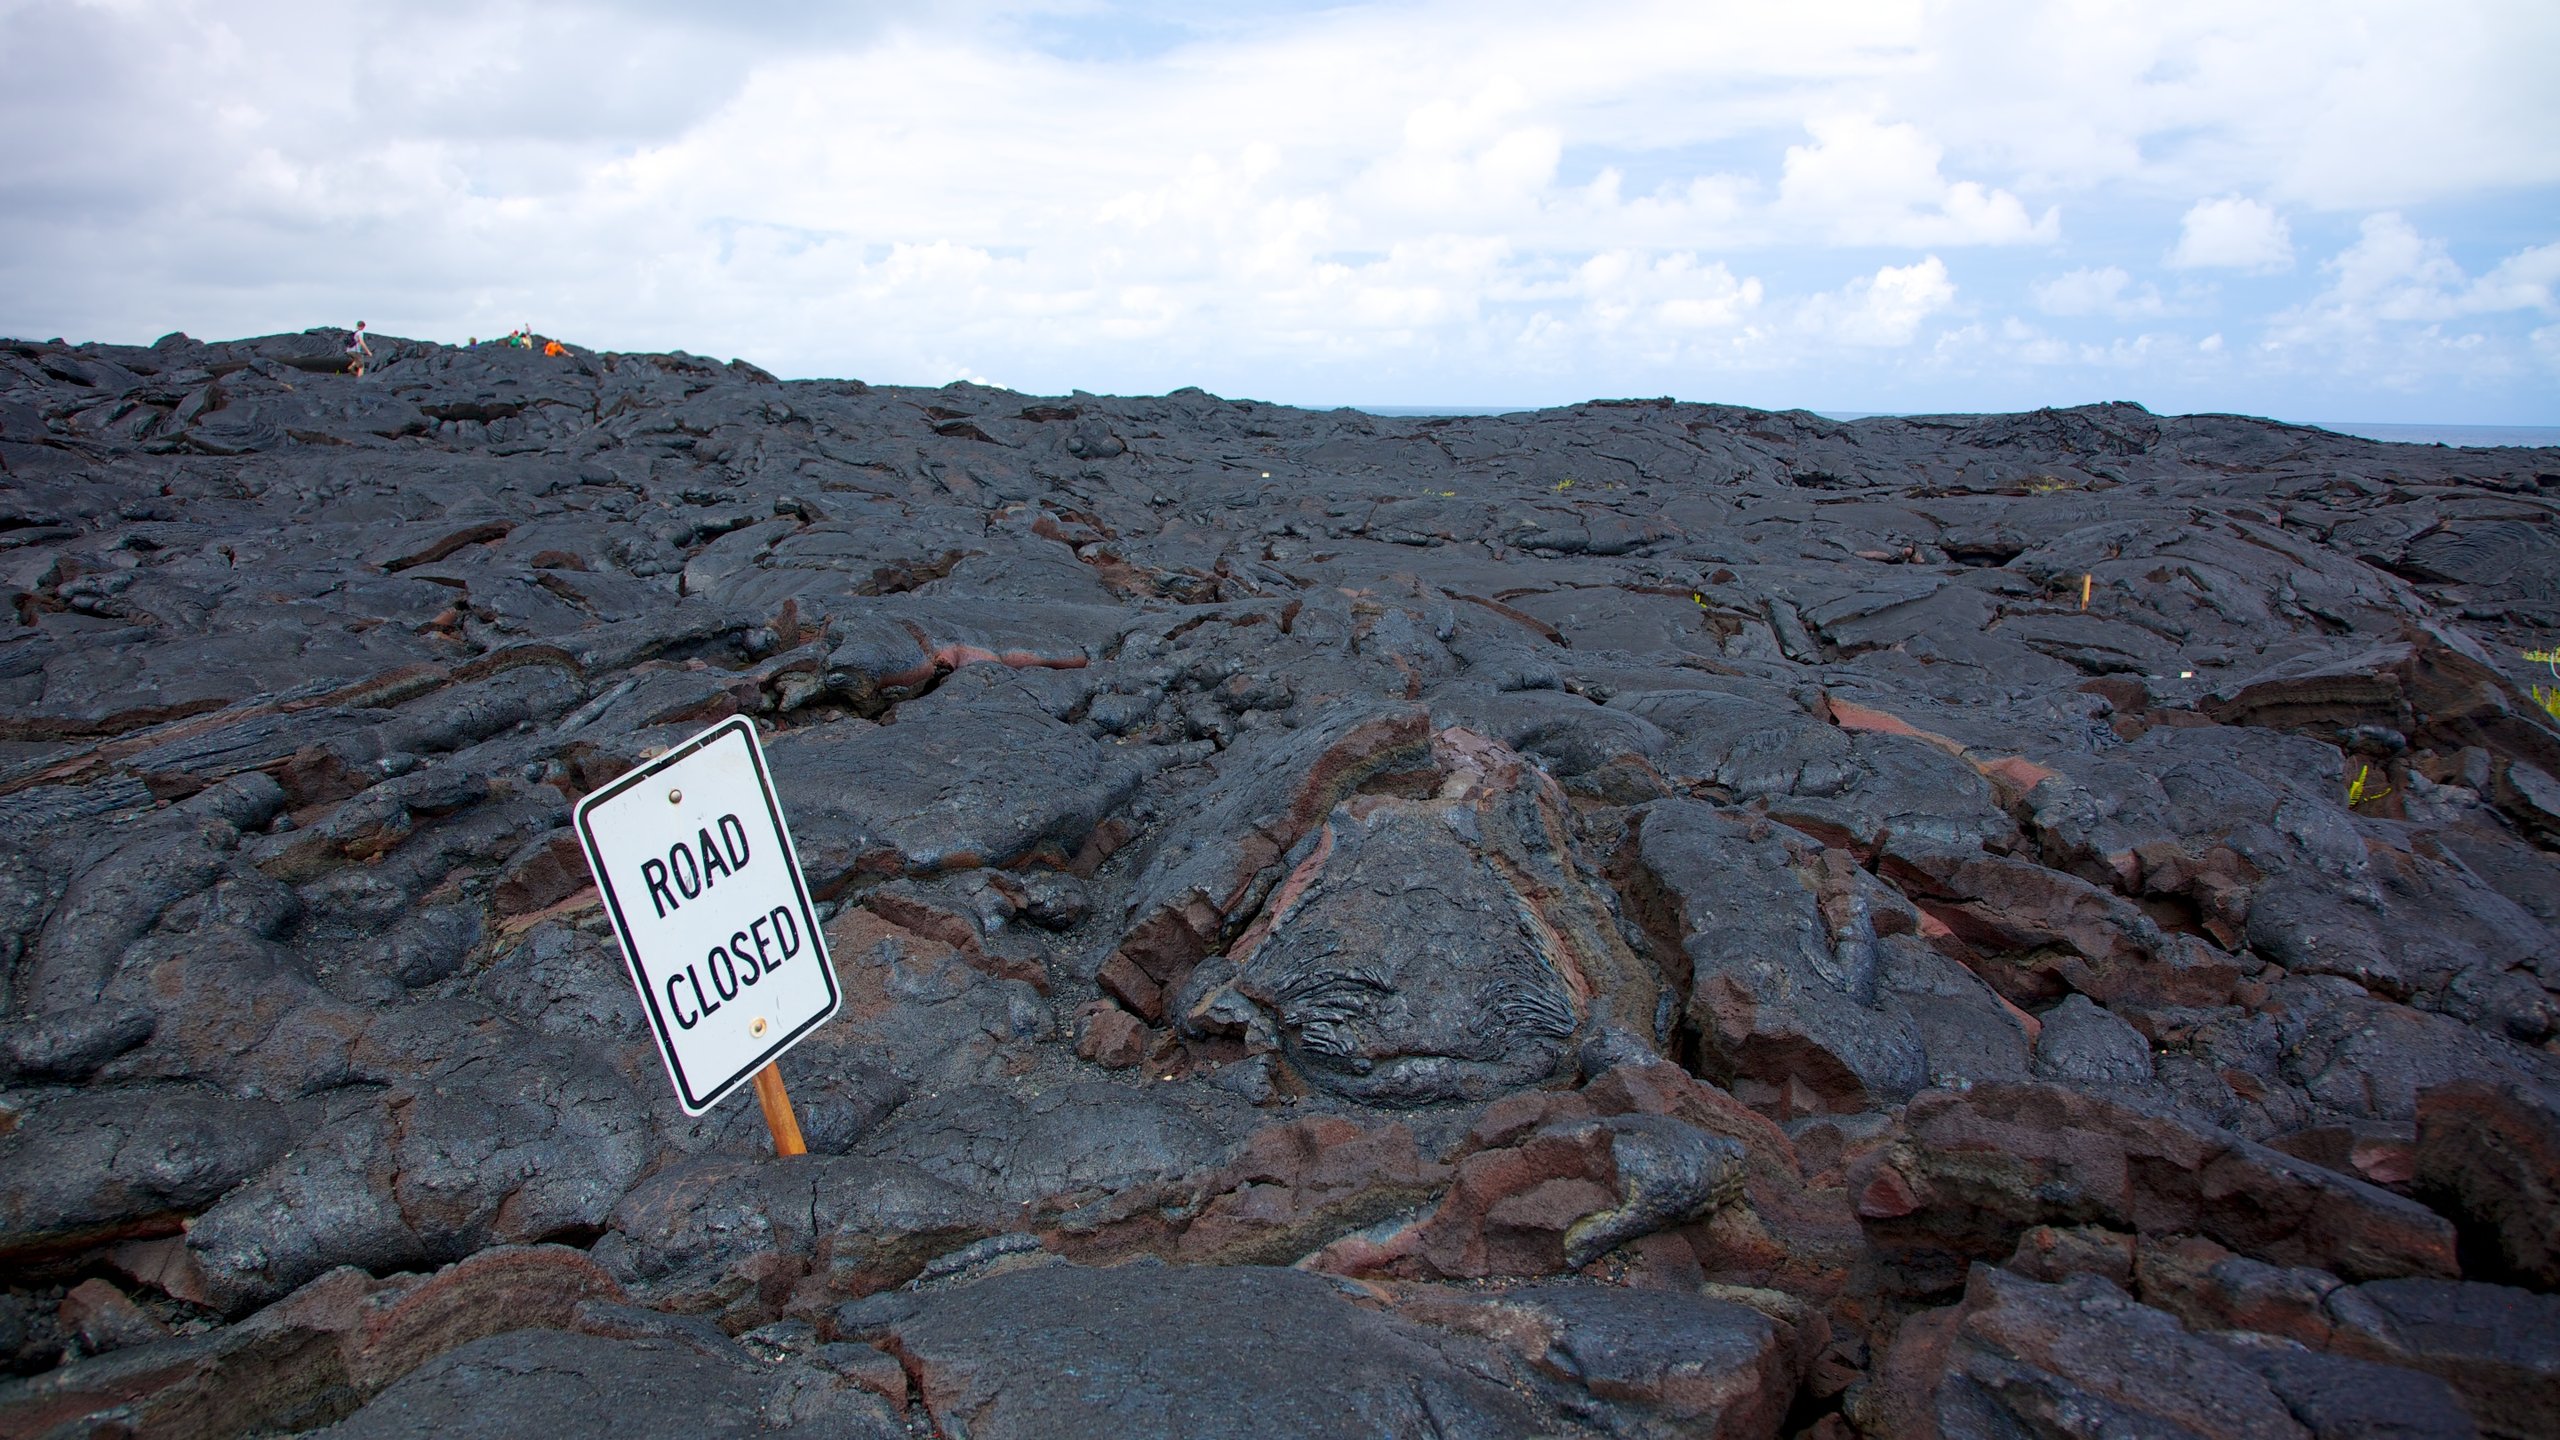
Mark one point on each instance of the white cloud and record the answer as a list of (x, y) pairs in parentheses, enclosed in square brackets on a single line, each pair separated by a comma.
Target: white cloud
[(1865, 183), (1671, 293), (1884, 309), (2107, 291), (2333, 104), (1464, 159), (2400, 311), (2232, 234), (2015, 341), (1281, 200), (2525, 280), (2394, 274)]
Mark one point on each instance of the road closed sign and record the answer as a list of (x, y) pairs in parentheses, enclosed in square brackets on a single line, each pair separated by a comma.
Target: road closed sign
[(697, 871)]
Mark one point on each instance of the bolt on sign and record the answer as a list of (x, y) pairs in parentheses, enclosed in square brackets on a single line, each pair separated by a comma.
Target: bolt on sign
[(696, 869)]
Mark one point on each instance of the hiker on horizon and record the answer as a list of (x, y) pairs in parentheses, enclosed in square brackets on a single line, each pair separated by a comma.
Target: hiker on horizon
[(358, 352), (554, 348)]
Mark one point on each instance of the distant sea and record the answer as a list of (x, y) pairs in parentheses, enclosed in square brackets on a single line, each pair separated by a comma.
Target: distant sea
[(2448, 434), (2522, 435)]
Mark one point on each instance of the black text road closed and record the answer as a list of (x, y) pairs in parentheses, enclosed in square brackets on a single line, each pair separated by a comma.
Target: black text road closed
[(697, 871)]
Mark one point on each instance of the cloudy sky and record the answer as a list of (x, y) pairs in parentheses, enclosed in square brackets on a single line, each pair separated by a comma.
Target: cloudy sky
[(2317, 210)]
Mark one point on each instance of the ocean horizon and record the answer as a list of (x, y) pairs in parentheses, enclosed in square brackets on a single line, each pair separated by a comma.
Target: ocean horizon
[(2392, 433)]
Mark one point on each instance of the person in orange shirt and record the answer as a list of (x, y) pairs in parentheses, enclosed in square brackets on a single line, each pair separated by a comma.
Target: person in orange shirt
[(554, 347)]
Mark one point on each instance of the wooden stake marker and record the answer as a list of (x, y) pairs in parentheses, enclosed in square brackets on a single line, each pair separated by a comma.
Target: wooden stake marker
[(778, 1118)]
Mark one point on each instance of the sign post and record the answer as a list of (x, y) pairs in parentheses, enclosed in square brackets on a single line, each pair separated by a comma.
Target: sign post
[(697, 872), (776, 1104)]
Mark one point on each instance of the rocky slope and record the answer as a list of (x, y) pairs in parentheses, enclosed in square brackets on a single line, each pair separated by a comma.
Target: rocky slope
[(1640, 920)]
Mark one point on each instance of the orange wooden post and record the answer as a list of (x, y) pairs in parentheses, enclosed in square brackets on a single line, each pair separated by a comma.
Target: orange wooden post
[(777, 1113)]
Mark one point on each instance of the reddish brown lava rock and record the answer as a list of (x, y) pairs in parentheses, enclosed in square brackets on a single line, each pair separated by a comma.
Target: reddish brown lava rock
[(1676, 1363), (1786, 1231), (544, 873), (2497, 1347), (2490, 1156), (2379, 1152), (1973, 1172), (1248, 822), (105, 1318), (1295, 1185), (2083, 1358), (317, 1353), (1110, 1036), (1546, 1182)]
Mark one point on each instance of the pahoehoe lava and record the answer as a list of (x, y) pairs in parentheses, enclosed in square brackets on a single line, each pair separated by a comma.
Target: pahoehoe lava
[(1640, 919)]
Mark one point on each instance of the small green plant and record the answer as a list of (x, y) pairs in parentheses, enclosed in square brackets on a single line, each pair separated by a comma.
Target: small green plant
[(2358, 792), (1564, 484), (2547, 696)]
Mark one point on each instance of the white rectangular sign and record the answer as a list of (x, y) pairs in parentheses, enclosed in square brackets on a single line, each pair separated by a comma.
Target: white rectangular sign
[(697, 871)]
